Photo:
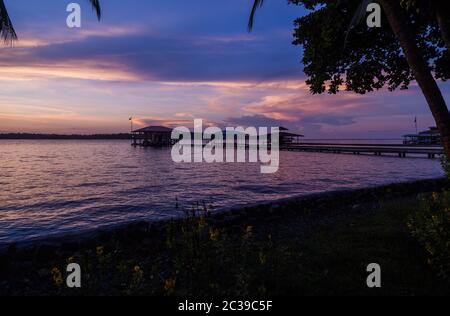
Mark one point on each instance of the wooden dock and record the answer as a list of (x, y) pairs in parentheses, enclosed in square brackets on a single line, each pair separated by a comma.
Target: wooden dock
[(401, 151)]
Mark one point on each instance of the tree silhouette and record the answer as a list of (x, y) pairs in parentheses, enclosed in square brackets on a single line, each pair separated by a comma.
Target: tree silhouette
[(412, 44)]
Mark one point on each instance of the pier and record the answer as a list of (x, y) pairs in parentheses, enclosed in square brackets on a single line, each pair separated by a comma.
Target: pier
[(401, 151), (160, 136)]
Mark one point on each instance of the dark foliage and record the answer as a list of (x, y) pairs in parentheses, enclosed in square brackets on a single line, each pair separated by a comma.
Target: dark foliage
[(371, 58)]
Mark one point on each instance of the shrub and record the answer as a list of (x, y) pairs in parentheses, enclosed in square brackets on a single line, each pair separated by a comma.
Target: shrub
[(431, 226)]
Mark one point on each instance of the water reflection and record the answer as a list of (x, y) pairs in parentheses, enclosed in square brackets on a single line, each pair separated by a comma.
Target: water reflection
[(51, 187)]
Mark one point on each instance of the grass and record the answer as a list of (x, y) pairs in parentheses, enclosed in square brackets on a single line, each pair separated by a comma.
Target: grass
[(293, 255), (381, 237)]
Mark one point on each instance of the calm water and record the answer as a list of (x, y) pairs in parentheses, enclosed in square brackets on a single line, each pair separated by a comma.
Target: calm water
[(54, 187)]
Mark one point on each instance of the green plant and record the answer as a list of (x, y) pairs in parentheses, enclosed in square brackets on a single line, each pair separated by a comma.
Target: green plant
[(431, 226)]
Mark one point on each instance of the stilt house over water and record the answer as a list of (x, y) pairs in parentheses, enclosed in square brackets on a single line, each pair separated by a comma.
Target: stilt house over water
[(152, 136)]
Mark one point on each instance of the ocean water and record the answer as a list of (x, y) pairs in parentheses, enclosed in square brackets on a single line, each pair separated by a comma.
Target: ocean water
[(53, 187)]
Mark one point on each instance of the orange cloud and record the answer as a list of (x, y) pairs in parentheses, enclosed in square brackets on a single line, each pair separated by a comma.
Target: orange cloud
[(87, 70)]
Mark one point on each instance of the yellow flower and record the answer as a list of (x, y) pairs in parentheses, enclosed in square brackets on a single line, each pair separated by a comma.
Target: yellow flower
[(100, 250), (57, 277), (214, 234), (202, 222), (435, 196), (138, 274), (262, 258), (169, 286), (248, 232)]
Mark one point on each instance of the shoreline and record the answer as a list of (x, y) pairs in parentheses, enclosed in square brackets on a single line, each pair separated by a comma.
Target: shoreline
[(315, 245), (325, 204)]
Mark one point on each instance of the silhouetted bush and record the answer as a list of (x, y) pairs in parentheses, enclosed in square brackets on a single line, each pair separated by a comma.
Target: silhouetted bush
[(431, 226)]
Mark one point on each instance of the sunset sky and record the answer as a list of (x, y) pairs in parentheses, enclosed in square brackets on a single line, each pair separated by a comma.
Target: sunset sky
[(167, 62)]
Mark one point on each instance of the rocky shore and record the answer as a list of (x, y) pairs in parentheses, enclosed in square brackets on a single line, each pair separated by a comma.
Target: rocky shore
[(320, 206)]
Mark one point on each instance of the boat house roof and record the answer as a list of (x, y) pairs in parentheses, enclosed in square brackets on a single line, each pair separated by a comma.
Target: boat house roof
[(154, 129), (291, 134), (431, 132)]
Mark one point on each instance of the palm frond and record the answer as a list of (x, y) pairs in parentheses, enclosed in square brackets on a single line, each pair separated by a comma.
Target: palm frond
[(256, 5), (7, 31), (96, 6)]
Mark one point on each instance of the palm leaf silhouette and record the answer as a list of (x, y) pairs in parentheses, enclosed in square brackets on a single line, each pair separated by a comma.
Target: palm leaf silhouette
[(256, 5), (96, 6), (7, 31)]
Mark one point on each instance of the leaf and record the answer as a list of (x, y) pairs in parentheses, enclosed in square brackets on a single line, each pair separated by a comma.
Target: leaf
[(96, 6), (256, 5), (7, 31)]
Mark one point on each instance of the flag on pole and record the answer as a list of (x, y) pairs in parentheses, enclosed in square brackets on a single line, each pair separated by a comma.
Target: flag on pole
[(131, 123)]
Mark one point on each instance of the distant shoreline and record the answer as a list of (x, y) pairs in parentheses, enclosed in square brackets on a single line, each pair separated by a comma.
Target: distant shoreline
[(38, 136), (31, 136)]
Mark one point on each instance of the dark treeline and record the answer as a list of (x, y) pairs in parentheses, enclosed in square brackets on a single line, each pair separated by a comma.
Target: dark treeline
[(56, 136)]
